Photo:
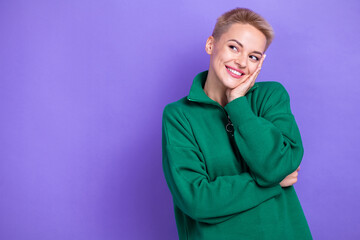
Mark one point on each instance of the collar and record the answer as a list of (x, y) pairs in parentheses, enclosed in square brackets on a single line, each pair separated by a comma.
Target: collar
[(197, 90)]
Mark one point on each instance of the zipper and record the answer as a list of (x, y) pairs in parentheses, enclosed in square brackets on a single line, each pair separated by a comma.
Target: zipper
[(229, 126)]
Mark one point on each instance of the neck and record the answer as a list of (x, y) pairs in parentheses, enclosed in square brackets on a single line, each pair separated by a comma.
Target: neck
[(214, 89)]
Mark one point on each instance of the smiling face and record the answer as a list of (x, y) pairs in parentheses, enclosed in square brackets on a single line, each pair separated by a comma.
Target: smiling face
[(236, 54)]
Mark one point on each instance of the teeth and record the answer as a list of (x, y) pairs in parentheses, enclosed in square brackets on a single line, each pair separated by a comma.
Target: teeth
[(235, 72)]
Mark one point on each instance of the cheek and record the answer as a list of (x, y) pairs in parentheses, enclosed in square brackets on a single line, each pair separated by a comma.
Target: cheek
[(220, 59), (252, 67)]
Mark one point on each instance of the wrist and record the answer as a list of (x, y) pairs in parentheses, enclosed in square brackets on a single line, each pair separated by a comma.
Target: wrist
[(233, 98)]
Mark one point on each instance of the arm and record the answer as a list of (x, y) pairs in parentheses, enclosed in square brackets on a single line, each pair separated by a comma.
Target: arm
[(270, 144), (191, 188)]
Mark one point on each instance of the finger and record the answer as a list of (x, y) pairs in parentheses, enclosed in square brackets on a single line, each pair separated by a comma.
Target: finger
[(255, 75), (257, 71), (298, 169), (249, 82), (251, 78), (244, 80)]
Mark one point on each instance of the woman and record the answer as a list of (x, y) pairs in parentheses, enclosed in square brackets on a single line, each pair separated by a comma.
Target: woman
[(232, 148)]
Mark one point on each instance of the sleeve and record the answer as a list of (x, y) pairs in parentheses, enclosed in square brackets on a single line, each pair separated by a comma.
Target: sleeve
[(271, 143), (191, 188)]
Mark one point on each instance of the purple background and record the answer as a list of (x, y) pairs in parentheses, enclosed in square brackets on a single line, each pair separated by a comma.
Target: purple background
[(83, 86)]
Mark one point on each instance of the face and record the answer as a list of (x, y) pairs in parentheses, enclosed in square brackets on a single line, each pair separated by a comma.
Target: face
[(236, 54)]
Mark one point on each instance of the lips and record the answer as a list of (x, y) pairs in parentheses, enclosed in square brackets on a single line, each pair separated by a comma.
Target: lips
[(236, 73)]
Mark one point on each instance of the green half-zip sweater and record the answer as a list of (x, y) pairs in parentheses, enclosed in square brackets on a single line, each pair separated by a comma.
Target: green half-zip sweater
[(223, 165)]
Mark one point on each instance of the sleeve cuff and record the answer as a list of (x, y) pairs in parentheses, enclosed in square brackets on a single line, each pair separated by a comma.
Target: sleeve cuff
[(239, 111)]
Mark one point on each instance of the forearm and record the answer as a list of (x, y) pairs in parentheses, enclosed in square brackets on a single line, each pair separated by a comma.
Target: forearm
[(205, 200), (271, 146)]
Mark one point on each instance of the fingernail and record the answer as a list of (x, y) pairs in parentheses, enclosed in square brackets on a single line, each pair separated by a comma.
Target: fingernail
[(264, 56)]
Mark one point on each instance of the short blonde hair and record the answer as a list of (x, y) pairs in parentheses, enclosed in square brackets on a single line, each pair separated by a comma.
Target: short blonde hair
[(244, 16)]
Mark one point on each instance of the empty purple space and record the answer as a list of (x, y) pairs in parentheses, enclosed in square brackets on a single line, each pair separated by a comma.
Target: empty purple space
[(83, 85)]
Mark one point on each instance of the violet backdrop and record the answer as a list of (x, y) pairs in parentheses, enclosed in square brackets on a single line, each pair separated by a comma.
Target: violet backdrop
[(83, 86)]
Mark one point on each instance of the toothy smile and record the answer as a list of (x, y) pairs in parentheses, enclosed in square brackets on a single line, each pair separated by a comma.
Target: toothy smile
[(237, 73)]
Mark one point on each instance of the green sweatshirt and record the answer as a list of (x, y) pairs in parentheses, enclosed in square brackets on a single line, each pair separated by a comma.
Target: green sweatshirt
[(223, 165)]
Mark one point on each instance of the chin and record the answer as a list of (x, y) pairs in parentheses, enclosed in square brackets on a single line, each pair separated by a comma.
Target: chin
[(230, 82), (227, 81)]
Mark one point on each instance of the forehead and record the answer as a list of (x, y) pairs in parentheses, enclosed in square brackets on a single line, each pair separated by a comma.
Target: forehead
[(249, 36)]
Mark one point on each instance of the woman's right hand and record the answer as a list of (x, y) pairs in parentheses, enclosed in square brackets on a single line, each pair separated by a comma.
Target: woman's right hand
[(290, 179)]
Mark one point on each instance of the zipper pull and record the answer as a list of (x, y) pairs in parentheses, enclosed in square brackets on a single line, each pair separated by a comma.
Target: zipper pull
[(230, 127)]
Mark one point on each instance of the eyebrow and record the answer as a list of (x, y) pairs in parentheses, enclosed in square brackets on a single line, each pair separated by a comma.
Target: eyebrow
[(234, 40)]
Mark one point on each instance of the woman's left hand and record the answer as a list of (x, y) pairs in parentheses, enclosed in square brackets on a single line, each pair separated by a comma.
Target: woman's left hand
[(247, 83)]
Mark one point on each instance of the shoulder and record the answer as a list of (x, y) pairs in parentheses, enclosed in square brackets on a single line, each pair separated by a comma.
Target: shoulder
[(271, 86), (271, 97), (176, 126), (175, 109), (272, 89)]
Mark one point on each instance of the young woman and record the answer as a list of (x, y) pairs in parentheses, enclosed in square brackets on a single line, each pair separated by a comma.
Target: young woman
[(232, 148)]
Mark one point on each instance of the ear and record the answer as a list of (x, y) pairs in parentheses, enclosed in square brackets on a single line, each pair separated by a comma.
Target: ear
[(209, 46)]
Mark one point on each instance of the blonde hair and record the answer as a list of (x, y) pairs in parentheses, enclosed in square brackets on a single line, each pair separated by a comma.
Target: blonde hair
[(244, 16)]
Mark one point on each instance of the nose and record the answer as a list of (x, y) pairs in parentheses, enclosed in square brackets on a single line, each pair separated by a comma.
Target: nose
[(241, 60)]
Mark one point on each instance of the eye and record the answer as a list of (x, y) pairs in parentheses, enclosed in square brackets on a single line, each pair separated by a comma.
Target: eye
[(255, 58), (233, 48)]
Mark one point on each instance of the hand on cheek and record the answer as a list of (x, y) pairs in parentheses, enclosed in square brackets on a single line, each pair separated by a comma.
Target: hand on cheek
[(247, 83)]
